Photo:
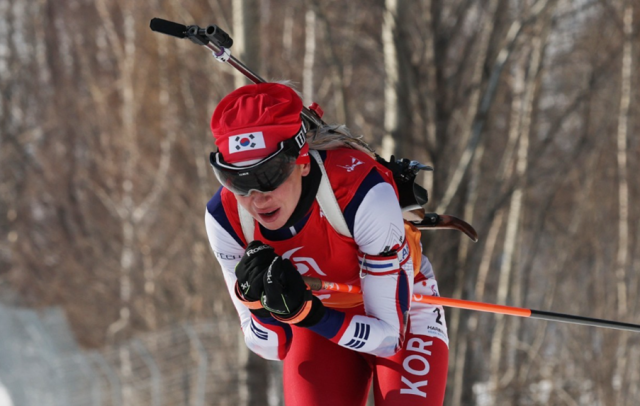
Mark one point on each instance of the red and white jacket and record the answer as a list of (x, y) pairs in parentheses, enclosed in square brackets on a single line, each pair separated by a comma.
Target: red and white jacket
[(374, 322)]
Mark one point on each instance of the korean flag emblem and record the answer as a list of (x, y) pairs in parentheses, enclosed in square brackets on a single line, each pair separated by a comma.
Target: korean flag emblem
[(246, 142)]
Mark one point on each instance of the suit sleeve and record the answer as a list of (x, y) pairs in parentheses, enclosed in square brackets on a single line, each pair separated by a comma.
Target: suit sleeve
[(266, 337), (387, 277)]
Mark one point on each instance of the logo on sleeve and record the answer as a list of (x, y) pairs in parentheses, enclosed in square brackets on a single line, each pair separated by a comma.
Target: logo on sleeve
[(226, 257), (395, 238), (360, 336), (258, 332)]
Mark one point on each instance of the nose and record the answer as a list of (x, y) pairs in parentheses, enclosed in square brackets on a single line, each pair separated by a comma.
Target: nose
[(259, 198)]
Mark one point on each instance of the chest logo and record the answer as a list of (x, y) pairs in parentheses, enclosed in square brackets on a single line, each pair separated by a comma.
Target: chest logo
[(303, 264), (354, 162)]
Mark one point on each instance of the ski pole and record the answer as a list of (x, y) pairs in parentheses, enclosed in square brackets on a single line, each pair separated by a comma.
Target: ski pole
[(317, 284)]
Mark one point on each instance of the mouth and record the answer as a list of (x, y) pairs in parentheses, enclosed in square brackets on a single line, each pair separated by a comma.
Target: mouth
[(269, 216)]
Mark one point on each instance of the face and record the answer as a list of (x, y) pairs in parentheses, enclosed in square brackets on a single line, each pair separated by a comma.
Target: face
[(273, 209)]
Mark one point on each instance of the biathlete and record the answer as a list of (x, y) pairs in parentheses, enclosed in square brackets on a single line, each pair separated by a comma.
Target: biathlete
[(288, 208)]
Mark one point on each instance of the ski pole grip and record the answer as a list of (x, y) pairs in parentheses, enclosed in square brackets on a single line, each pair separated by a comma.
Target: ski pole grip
[(168, 27), (313, 283)]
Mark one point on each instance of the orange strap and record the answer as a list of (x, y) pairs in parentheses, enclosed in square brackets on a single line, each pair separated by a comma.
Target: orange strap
[(251, 305), (412, 234), (298, 317)]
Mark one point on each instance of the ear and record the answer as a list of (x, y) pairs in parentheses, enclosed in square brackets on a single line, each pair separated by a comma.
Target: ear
[(306, 168)]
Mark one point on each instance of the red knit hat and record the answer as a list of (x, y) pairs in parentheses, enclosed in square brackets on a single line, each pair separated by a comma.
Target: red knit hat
[(250, 122)]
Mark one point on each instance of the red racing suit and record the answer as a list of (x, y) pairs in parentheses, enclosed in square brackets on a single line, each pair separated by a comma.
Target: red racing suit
[(379, 336)]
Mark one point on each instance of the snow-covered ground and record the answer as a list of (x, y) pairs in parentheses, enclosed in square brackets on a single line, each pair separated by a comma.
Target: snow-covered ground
[(5, 399)]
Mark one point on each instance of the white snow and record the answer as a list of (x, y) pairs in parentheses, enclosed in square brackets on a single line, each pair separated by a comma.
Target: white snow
[(5, 399)]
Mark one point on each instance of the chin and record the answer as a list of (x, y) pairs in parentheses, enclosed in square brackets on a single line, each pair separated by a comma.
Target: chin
[(272, 226), (275, 221)]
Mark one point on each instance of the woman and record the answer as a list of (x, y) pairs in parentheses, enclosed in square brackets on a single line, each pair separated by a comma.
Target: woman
[(286, 210)]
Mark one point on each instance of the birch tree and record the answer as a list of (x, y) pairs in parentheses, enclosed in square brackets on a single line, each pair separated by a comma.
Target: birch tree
[(622, 256), (253, 372), (396, 94), (246, 33)]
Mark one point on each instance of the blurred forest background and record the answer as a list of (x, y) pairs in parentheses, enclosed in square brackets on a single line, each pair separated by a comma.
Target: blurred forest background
[(526, 109)]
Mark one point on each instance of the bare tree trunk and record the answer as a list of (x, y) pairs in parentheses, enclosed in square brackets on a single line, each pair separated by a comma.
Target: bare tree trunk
[(623, 187), (246, 34), (309, 57), (336, 66), (472, 324), (523, 133), (461, 269), (458, 332), (622, 257), (125, 207), (482, 47), (465, 326), (246, 28), (430, 114), (396, 96), (530, 96), (430, 100), (510, 237), (287, 33)]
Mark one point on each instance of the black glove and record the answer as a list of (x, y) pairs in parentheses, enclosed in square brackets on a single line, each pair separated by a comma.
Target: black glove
[(288, 298), (250, 271)]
